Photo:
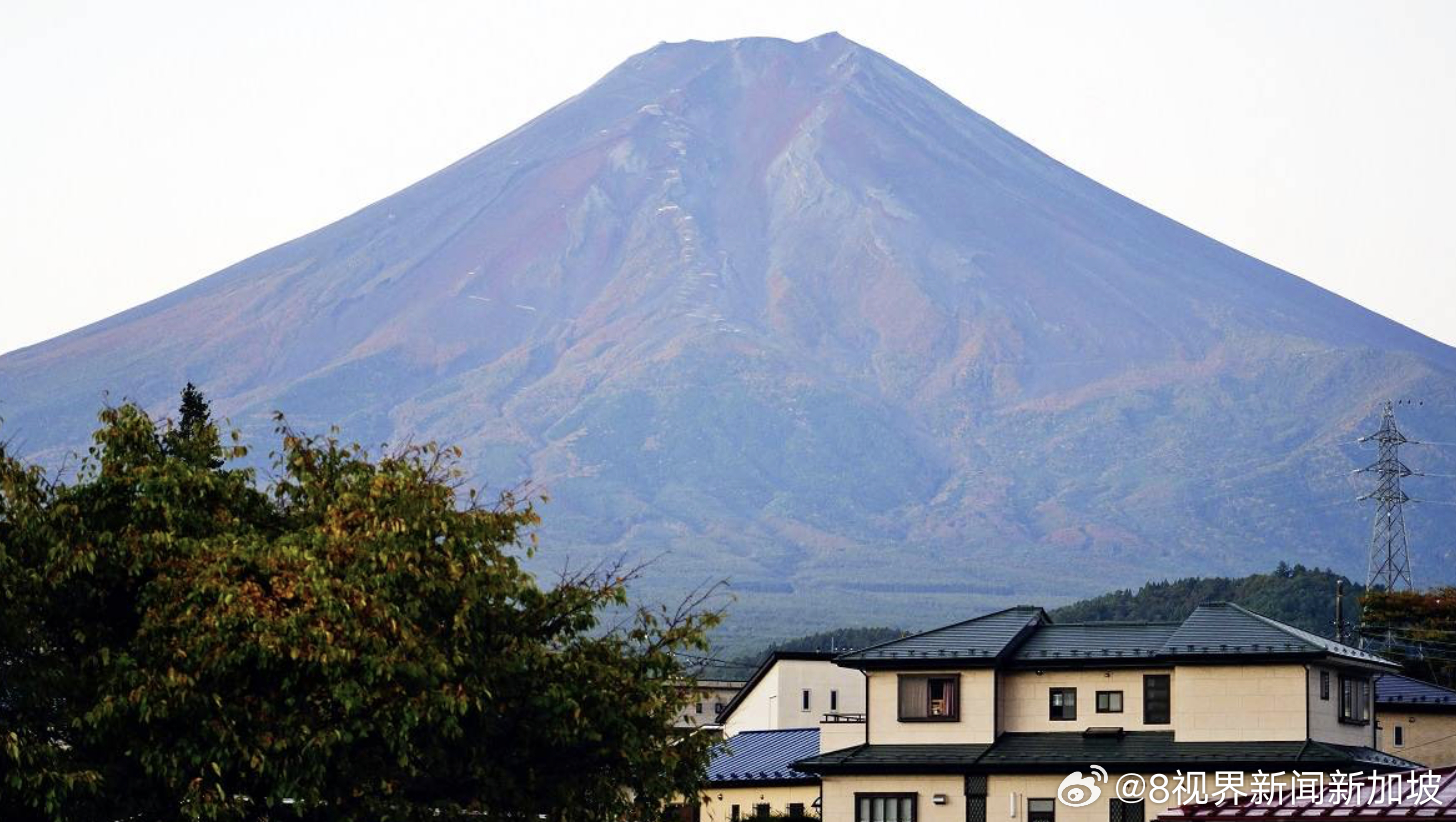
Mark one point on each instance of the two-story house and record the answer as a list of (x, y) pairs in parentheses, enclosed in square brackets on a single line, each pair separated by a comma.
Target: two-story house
[(985, 719)]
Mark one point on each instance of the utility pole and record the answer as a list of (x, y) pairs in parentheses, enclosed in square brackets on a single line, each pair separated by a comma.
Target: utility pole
[(1389, 566), (1341, 626)]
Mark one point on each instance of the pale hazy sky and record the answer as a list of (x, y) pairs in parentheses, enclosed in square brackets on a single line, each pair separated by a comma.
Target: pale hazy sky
[(146, 144)]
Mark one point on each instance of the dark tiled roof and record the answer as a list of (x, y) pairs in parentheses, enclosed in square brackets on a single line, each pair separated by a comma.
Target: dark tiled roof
[(1355, 804), (1025, 636), (1222, 629), (1402, 691), (983, 639), (896, 758), (1057, 751), (763, 756), (1097, 640)]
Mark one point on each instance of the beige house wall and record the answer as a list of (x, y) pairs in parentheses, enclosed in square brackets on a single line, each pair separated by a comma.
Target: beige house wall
[(975, 723), (1239, 702), (1430, 738), (759, 709), (1006, 796), (776, 701), (839, 794), (1324, 714), (1025, 699), (836, 736), (718, 802)]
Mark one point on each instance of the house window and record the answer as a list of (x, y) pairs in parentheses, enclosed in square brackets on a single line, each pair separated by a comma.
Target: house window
[(805, 700), (1325, 685), (1063, 703), (699, 707), (761, 810), (1399, 736), (1354, 700), (929, 698), (717, 709), (1041, 810), (796, 810), (884, 807), (733, 815), (1122, 811), (1109, 702), (833, 700), (1157, 699)]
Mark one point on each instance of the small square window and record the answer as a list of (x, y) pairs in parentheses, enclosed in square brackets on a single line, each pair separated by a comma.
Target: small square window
[(1063, 704), (796, 810), (698, 708), (1041, 810), (717, 708), (1109, 702)]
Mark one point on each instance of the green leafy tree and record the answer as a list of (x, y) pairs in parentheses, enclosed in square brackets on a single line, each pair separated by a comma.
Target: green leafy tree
[(357, 641), (194, 438)]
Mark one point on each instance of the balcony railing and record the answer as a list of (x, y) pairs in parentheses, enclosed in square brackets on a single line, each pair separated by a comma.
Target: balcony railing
[(840, 716)]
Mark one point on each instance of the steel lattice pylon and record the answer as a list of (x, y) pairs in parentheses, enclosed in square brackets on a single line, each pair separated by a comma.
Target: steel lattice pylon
[(1390, 566)]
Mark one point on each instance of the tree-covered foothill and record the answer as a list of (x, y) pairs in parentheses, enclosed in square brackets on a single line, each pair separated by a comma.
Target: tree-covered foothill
[(357, 640), (1416, 627)]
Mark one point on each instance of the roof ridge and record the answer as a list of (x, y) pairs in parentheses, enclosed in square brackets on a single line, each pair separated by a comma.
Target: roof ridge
[(929, 631), (1115, 622)]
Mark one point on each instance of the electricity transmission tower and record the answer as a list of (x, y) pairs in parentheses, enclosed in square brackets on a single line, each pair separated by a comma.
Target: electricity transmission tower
[(1390, 566)]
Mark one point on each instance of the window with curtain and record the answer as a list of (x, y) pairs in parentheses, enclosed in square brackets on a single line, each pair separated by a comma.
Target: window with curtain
[(1354, 700), (1063, 703), (929, 698), (884, 807)]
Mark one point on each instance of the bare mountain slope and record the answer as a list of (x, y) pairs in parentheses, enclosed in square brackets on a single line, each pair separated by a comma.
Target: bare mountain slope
[(794, 316)]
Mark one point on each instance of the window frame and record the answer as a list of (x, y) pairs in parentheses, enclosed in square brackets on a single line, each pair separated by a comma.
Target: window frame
[(953, 716), (910, 795), (1167, 717), (1399, 736), (762, 810), (796, 810), (834, 699), (1121, 702), (804, 699), (1324, 686), (1053, 707), (1049, 816), (1351, 688)]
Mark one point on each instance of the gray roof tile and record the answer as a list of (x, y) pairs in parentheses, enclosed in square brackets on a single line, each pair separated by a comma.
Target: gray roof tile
[(1397, 690), (984, 639)]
